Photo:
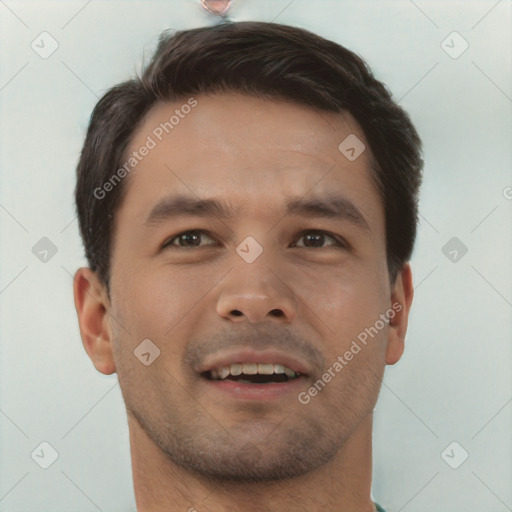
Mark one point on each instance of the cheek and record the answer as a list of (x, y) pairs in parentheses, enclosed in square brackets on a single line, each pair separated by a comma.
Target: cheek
[(346, 306), (345, 295), (155, 300)]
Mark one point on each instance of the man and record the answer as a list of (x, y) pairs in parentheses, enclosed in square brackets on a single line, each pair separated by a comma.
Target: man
[(248, 209)]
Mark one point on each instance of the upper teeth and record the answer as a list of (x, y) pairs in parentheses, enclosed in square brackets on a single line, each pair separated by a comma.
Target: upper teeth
[(251, 369)]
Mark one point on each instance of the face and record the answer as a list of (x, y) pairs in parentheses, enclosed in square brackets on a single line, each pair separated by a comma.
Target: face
[(247, 242)]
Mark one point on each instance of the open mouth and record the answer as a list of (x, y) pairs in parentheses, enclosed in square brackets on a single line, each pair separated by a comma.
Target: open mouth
[(252, 373)]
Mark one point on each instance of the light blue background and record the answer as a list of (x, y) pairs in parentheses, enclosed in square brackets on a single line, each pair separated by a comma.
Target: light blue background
[(454, 381)]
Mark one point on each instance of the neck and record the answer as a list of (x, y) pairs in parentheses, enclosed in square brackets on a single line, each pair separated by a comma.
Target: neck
[(342, 485)]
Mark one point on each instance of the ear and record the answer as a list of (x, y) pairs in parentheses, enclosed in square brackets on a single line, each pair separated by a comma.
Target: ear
[(92, 303), (401, 299)]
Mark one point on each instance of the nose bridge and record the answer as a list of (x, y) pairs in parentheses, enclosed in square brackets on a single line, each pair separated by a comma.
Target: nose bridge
[(253, 290)]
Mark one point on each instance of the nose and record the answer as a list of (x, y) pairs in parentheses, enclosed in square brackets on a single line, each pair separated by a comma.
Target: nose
[(255, 293)]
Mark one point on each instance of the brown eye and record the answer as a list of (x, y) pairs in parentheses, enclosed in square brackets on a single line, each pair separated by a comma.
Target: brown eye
[(186, 240), (316, 239)]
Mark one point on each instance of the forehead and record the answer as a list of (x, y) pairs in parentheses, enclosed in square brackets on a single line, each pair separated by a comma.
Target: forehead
[(253, 152)]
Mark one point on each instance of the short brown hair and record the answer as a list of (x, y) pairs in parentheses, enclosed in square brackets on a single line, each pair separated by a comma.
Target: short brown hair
[(266, 60)]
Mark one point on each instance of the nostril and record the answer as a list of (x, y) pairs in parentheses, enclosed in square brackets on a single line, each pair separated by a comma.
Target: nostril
[(236, 312), (277, 312)]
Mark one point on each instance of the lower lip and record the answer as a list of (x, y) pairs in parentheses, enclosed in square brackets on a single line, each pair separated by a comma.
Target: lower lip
[(268, 391)]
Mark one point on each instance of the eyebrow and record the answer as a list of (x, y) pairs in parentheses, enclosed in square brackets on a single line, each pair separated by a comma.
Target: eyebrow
[(329, 207)]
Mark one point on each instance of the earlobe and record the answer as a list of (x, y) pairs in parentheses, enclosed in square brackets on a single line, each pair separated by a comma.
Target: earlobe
[(401, 300), (92, 303)]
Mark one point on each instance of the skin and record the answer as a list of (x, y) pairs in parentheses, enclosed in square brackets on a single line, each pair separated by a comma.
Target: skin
[(194, 448)]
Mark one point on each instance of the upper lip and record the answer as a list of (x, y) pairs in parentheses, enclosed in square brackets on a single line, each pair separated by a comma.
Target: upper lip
[(228, 357)]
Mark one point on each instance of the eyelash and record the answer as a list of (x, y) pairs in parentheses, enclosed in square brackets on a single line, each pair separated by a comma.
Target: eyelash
[(339, 241)]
